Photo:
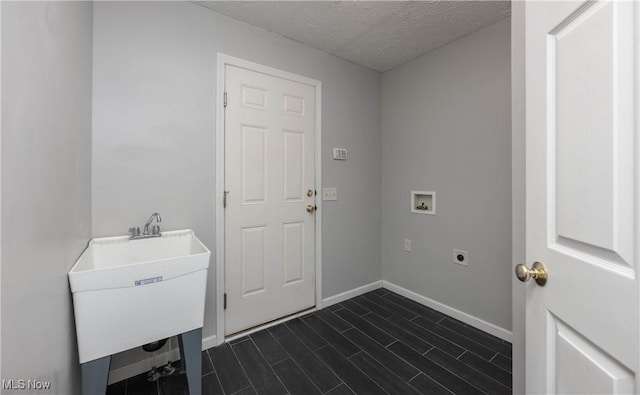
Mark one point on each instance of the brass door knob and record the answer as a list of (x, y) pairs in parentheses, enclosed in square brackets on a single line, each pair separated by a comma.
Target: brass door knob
[(311, 208), (537, 272)]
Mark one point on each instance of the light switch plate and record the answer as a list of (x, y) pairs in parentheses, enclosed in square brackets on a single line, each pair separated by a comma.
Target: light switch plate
[(340, 154), (329, 193)]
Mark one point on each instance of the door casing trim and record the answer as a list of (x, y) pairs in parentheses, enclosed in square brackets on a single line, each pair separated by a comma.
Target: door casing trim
[(224, 60)]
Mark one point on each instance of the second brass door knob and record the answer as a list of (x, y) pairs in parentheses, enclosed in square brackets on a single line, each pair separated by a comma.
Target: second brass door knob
[(537, 272)]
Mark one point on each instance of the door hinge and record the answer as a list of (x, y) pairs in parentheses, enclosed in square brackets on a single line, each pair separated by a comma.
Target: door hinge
[(224, 199), (225, 100), (225, 301)]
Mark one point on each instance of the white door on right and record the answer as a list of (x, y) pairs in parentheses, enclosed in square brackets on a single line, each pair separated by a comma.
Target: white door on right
[(582, 196)]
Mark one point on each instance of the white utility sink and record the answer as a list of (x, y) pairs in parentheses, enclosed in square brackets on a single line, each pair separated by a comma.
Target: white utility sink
[(127, 293)]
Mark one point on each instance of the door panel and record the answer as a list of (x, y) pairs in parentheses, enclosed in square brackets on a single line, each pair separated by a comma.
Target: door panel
[(586, 368), (582, 201), (253, 261), (592, 199), (269, 167), (293, 253), (254, 164), (293, 165)]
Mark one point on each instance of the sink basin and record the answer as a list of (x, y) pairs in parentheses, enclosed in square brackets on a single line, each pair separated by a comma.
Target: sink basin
[(127, 293)]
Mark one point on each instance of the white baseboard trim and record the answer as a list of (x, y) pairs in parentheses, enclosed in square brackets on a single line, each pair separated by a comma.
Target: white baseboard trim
[(145, 365), (450, 311), (341, 297), (209, 342)]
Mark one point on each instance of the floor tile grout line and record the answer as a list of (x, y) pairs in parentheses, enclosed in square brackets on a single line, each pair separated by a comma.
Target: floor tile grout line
[(298, 366), (390, 351), (331, 389), (359, 304), (240, 390), (427, 352), (241, 367), (488, 361), (487, 375), (460, 356), (267, 362), (401, 307), (397, 325), (354, 355), (426, 374), (467, 381), (419, 373), (215, 371), (262, 354), (361, 371), (213, 368), (387, 347), (454, 342), (380, 329), (371, 378), (336, 329), (493, 357), (363, 296), (470, 334), (431, 378), (441, 337), (441, 384), (303, 342), (330, 327), (217, 378), (316, 356), (419, 306), (474, 330), (279, 361)]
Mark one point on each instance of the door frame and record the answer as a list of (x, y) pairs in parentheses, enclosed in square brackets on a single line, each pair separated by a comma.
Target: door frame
[(223, 61), (518, 190)]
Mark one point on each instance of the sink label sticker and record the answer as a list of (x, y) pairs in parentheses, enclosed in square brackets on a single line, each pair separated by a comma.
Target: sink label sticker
[(146, 281)]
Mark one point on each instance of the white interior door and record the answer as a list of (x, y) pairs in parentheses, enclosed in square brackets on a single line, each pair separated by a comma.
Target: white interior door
[(270, 198), (582, 197)]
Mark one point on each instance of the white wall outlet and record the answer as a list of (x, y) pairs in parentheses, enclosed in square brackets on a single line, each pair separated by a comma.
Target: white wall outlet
[(340, 154), (461, 257), (329, 193), (407, 245)]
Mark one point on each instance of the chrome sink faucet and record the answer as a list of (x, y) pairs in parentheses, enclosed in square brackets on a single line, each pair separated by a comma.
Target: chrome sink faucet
[(155, 230)]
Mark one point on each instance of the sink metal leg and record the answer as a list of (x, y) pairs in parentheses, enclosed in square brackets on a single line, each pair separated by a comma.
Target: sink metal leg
[(191, 355), (95, 375)]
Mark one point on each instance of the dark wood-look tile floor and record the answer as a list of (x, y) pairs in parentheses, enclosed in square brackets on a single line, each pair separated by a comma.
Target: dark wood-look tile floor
[(377, 343)]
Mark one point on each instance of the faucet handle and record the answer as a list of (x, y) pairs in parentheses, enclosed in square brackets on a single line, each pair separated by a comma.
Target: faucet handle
[(155, 230), (132, 231)]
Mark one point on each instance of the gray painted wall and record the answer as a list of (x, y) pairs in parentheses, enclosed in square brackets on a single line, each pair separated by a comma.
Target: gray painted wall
[(154, 86), (518, 152), (46, 185), (446, 127)]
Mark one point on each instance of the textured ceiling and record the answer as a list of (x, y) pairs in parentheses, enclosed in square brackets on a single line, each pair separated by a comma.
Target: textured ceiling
[(377, 34)]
